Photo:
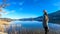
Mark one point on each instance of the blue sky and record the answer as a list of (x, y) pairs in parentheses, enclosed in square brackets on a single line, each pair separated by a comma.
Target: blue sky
[(29, 8)]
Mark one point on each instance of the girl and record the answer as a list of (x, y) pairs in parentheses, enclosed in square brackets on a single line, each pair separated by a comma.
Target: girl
[(45, 21)]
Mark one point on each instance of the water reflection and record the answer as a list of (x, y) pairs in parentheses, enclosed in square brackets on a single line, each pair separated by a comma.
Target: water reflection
[(19, 27)]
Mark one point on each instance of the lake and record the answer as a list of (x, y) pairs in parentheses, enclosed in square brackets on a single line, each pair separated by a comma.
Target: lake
[(29, 27)]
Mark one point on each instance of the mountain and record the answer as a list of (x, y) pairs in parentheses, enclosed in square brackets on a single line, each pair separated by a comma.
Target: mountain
[(8, 19), (53, 18)]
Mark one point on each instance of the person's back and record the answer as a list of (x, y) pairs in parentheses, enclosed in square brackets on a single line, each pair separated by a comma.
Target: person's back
[(45, 21)]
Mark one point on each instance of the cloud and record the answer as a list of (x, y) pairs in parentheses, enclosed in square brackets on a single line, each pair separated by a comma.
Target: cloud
[(6, 12)]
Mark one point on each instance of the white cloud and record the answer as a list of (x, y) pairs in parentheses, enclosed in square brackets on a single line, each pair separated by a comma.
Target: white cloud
[(6, 12)]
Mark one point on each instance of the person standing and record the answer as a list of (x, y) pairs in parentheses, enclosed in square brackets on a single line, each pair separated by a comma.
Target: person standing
[(45, 22)]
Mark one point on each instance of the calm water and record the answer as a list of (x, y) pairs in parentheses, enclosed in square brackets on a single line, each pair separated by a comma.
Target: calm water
[(31, 25)]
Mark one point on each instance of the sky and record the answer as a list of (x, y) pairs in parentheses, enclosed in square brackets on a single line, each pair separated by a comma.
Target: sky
[(28, 8)]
